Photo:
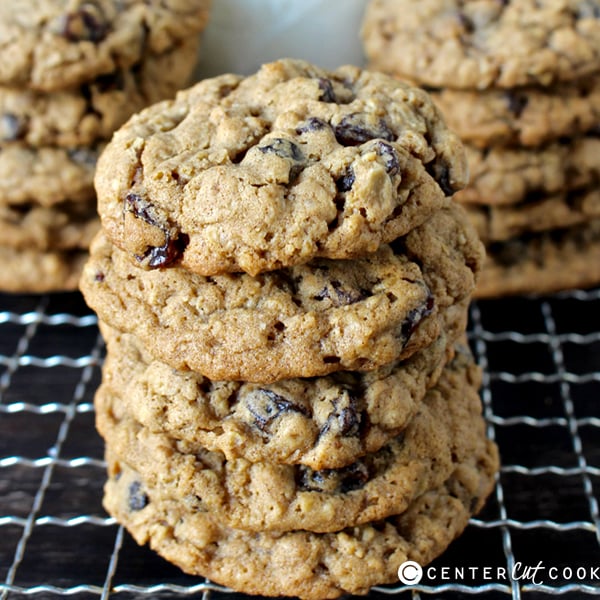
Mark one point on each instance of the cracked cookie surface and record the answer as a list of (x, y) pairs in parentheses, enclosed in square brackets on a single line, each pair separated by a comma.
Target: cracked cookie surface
[(478, 44), (272, 170), (304, 321)]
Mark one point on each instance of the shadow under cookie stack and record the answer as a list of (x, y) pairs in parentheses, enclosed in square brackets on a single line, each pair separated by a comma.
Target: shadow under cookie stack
[(518, 81), (282, 279), (71, 73)]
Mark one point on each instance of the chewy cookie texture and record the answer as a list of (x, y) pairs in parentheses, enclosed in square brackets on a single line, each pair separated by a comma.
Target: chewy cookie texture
[(282, 281), (519, 82), (71, 73), (272, 170)]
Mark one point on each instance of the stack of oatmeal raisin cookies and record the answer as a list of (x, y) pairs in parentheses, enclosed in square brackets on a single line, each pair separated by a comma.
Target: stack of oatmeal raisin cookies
[(519, 81), (282, 280), (72, 72)]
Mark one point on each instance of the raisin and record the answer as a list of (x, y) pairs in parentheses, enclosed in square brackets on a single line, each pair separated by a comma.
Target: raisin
[(387, 152), (328, 95), (508, 253), (588, 9), (86, 24), (12, 127), (141, 209), (112, 82), (266, 406), (466, 23), (415, 316), (516, 103), (138, 499), (287, 150), (346, 181), (345, 418), (333, 481), (357, 128), (312, 124), (83, 156), (339, 295), (354, 477), (168, 253), (284, 149), (441, 173)]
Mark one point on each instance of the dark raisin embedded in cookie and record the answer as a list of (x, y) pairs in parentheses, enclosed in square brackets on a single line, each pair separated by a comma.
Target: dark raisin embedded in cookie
[(261, 179), (357, 128), (12, 127), (328, 94), (88, 23), (174, 242), (416, 316), (138, 499), (266, 406)]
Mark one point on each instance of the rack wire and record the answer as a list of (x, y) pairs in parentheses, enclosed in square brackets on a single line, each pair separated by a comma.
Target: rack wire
[(541, 360)]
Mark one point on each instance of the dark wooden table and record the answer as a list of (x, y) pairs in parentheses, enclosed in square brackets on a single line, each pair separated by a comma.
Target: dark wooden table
[(541, 397)]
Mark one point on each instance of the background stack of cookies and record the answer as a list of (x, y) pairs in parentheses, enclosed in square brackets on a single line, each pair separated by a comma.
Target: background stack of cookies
[(71, 72), (282, 282), (519, 82)]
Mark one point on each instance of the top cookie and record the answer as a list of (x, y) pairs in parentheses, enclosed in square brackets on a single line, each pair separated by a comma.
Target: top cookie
[(479, 44), (269, 171), (53, 44)]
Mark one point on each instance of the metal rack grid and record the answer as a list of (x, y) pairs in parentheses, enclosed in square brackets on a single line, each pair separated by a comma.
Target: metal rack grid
[(541, 360)]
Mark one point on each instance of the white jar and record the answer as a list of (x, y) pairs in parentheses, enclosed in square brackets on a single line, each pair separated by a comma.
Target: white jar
[(243, 34)]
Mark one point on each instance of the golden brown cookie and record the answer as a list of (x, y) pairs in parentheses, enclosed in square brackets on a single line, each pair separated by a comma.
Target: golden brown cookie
[(446, 430), (272, 170), (323, 422), (309, 565), (56, 44), (478, 44), (308, 320), (85, 114)]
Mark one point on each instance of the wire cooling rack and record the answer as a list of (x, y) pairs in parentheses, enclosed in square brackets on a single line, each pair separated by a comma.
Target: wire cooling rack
[(537, 536)]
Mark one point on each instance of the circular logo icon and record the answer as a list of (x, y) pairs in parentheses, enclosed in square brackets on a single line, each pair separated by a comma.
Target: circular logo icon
[(410, 572)]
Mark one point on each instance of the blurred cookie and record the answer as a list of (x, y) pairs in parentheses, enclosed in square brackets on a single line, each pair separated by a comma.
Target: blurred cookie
[(61, 227), (37, 271), (56, 44), (83, 115), (543, 263), (483, 44), (511, 175), (500, 223), (272, 170), (46, 176), (526, 117)]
